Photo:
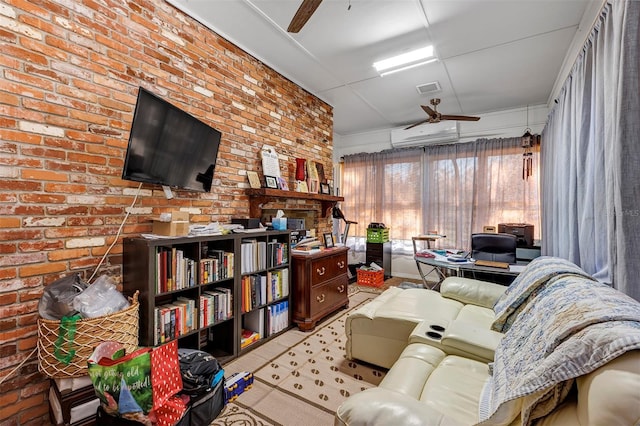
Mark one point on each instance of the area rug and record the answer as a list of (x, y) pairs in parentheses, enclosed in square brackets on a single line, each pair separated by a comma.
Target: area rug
[(305, 382)]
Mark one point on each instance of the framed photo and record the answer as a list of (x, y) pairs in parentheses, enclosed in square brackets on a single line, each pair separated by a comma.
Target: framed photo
[(271, 182), (282, 183), (254, 180), (301, 186), (328, 240), (324, 188)]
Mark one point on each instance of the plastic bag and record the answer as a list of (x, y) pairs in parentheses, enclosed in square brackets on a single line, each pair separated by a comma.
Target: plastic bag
[(100, 298), (57, 299)]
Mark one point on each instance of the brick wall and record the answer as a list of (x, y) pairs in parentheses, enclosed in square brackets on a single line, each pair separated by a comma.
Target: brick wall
[(69, 78)]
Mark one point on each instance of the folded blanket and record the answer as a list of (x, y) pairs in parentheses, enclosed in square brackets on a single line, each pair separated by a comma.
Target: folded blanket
[(575, 326), (538, 273)]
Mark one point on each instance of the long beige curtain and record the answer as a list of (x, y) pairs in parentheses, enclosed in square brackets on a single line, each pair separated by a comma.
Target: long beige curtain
[(454, 189)]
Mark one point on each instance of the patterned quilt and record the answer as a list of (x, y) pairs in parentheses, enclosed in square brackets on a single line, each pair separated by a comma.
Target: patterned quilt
[(538, 273), (575, 326)]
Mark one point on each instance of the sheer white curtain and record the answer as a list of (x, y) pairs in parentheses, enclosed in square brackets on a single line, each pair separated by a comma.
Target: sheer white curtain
[(591, 155), (470, 185), (454, 189), (383, 187)]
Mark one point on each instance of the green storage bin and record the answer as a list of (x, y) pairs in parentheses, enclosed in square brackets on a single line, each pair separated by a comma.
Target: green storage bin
[(377, 235)]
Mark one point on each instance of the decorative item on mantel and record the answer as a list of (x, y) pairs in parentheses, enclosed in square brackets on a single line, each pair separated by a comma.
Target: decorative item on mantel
[(301, 175), (313, 182)]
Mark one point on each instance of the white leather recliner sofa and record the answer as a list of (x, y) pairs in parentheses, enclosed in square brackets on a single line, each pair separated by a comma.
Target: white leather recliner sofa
[(457, 319), (568, 353)]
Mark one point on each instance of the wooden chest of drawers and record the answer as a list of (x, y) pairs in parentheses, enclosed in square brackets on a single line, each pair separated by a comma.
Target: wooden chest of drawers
[(320, 283)]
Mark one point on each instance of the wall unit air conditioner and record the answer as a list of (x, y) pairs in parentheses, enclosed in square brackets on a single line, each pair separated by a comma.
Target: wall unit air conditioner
[(426, 134)]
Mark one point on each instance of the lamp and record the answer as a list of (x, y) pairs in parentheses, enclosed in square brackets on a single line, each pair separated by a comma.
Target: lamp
[(336, 213)]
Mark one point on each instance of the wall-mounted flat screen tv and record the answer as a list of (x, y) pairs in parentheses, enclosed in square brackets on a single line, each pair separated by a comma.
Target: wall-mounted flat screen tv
[(169, 147)]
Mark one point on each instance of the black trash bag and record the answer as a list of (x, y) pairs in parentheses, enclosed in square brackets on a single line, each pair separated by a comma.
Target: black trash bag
[(57, 299), (198, 369)]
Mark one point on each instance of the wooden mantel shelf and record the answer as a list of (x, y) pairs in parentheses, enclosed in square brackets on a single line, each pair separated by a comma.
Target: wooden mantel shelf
[(260, 196)]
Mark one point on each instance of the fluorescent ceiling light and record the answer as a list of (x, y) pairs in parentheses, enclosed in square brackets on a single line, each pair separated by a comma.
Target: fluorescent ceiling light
[(395, 70), (406, 60)]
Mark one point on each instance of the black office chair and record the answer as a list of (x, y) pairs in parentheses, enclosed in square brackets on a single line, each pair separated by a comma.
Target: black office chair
[(495, 247)]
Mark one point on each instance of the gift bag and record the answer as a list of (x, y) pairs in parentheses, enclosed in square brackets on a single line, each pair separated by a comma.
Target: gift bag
[(139, 386)]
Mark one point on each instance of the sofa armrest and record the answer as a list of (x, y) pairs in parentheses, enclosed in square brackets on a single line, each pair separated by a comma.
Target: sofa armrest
[(377, 406), (468, 339), (470, 291)]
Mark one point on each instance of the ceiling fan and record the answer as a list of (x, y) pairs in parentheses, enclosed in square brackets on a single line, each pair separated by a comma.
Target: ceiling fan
[(306, 9), (436, 117)]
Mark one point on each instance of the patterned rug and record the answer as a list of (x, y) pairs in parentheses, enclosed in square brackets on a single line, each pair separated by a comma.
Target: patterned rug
[(306, 380)]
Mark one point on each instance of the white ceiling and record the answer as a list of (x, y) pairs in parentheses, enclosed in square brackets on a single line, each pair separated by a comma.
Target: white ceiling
[(494, 55)]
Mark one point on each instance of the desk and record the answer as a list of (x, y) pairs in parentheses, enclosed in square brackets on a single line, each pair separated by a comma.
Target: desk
[(441, 266)]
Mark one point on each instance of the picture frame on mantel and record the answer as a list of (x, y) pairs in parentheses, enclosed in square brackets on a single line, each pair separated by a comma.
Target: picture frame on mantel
[(325, 188), (271, 182), (282, 184), (254, 179)]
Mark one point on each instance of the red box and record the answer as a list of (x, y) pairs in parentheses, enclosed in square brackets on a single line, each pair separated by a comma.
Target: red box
[(370, 278)]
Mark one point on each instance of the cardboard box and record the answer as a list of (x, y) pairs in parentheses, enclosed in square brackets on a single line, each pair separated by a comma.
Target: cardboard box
[(179, 225)]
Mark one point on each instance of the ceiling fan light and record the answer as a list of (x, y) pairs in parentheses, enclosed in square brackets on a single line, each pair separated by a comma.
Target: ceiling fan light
[(407, 58)]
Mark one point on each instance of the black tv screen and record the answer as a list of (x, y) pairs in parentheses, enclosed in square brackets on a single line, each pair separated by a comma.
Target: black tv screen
[(169, 147)]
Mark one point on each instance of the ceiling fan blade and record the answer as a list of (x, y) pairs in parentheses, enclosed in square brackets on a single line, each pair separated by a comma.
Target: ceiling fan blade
[(429, 111), (306, 9), (417, 124), (459, 117)]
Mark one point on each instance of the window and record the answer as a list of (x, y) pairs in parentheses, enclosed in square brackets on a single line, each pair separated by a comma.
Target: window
[(454, 189)]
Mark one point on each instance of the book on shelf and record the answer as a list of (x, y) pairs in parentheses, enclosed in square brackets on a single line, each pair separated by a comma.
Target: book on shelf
[(216, 306), (277, 253), (173, 271), (253, 327), (278, 317), (248, 337), (254, 255), (172, 320), (217, 266)]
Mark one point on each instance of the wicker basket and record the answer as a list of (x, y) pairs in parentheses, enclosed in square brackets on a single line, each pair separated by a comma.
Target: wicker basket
[(121, 327)]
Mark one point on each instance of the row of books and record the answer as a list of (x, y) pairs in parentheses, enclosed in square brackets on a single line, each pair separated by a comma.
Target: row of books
[(173, 270), (259, 255), (254, 327), (215, 306), (258, 290), (217, 266), (278, 316), (174, 319)]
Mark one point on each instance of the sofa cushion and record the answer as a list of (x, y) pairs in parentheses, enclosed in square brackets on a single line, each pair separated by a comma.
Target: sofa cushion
[(412, 370), (470, 291), (611, 394), (419, 304), (454, 388), (449, 384)]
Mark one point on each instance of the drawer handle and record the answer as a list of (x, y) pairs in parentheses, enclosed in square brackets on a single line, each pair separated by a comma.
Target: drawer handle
[(320, 271), (341, 264), (320, 298), (341, 289)]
